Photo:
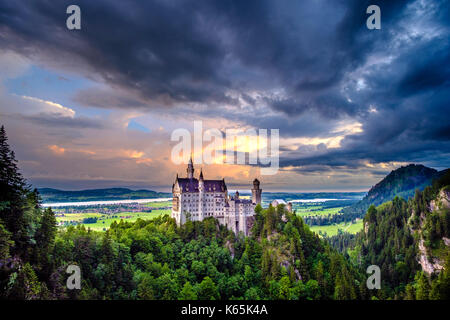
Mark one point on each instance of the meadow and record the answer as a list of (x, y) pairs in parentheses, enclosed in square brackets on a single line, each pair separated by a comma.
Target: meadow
[(332, 230), (105, 220), (315, 210)]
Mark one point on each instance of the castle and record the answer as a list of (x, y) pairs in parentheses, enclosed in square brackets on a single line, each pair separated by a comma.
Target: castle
[(198, 199)]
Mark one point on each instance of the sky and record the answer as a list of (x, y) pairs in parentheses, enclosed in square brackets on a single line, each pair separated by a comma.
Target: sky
[(96, 107)]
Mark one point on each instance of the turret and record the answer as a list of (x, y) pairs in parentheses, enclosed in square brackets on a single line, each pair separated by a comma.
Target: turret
[(201, 184), (201, 196), (190, 169), (256, 192), (289, 206)]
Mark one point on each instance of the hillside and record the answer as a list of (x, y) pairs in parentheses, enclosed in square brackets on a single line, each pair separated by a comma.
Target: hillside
[(49, 195), (401, 182), (409, 241)]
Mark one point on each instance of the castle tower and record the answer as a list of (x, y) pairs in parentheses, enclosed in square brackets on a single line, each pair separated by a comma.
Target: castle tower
[(289, 206), (201, 196), (190, 169), (256, 192)]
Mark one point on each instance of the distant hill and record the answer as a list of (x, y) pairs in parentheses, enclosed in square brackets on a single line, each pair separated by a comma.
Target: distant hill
[(54, 195), (401, 182)]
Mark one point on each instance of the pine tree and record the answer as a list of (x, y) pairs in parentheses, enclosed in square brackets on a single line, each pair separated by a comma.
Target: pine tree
[(45, 238), (188, 293), (285, 288), (26, 285), (423, 287), (410, 293), (9, 173), (207, 290), (13, 190), (5, 243)]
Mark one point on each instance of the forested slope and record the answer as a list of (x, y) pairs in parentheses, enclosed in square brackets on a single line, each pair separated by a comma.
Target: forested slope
[(402, 182), (409, 241)]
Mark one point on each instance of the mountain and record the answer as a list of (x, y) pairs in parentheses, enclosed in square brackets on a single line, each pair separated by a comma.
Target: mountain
[(49, 195), (401, 182)]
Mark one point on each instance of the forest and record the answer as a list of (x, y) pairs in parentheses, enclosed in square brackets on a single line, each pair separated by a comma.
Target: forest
[(391, 239)]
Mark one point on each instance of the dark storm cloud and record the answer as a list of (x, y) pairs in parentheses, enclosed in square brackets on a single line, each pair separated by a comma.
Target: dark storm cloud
[(153, 48), (185, 52), (165, 53), (107, 99)]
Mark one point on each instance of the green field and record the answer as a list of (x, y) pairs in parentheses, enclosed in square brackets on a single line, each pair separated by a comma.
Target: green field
[(158, 204), (332, 230), (306, 210), (316, 210), (104, 220)]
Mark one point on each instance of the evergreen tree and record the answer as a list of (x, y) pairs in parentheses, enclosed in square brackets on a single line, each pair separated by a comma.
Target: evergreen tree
[(12, 196), (5, 243), (423, 287), (207, 290), (45, 238), (25, 286), (188, 292), (284, 289)]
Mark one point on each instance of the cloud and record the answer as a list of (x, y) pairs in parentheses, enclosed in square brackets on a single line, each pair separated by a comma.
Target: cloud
[(51, 107), (57, 150), (63, 122)]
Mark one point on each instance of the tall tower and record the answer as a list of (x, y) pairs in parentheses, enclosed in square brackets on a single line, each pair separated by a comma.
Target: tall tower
[(201, 197), (190, 169), (256, 192)]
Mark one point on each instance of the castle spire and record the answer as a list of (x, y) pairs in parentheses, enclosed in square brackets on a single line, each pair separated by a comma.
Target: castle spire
[(190, 169), (201, 174)]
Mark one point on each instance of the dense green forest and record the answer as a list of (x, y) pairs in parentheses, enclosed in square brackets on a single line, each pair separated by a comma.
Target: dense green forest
[(391, 239)]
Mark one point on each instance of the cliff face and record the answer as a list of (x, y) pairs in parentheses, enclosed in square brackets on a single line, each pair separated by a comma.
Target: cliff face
[(429, 261), (429, 265)]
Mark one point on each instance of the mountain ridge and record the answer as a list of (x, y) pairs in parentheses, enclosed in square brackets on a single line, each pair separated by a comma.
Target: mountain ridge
[(401, 182), (49, 195)]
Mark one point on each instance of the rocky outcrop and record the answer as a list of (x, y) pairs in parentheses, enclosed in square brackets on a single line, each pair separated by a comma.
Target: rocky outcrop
[(446, 241), (230, 247), (286, 264), (366, 227), (428, 266), (442, 201), (431, 264)]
